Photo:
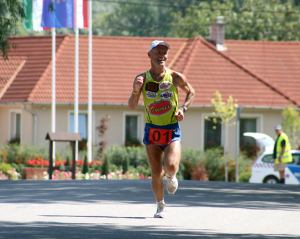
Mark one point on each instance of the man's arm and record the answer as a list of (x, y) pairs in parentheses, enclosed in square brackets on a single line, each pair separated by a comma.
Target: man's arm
[(136, 91), (181, 82), (283, 143)]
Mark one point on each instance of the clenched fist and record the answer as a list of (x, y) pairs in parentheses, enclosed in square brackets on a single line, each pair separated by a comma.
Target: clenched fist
[(138, 83), (179, 114)]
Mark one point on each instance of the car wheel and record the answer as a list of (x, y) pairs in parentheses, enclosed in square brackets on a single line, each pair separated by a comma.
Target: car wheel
[(271, 180)]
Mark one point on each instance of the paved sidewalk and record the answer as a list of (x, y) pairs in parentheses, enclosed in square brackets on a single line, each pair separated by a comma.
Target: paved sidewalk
[(124, 209)]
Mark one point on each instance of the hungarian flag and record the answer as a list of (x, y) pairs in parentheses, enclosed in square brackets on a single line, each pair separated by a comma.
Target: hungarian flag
[(45, 14)]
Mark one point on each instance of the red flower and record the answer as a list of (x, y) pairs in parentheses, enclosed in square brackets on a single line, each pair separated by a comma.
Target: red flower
[(37, 162)]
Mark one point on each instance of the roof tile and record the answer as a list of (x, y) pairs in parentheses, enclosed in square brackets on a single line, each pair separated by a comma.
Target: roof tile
[(248, 71)]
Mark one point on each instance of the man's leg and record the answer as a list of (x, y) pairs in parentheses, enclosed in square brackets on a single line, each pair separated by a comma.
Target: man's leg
[(172, 158), (154, 153), (171, 165), (282, 176)]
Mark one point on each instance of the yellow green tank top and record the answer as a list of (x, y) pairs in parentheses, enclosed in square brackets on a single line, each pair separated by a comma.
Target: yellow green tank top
[(160, 100)]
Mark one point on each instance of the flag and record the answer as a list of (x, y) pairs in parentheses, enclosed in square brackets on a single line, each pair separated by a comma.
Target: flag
[(45, 14), (58, 14), (62, 13), (33, 14), (82, 13)]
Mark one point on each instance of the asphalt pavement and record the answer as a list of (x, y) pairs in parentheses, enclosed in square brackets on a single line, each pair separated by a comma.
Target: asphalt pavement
[(107, 209)]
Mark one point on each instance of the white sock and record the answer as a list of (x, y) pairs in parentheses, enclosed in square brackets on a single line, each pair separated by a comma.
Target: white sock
[(170, 177), (162, 201)]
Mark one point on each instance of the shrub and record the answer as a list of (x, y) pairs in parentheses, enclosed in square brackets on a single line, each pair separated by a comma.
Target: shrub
[(85, 167), (214, 164), (137, 156), (116, 155), (9, 171), (190, 159), (19, 154)]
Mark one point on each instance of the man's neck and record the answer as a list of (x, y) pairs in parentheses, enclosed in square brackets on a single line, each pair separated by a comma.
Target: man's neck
[(158, 73), (158, 70)]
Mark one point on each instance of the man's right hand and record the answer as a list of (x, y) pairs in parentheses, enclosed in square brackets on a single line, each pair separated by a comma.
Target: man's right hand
[(138, 83)]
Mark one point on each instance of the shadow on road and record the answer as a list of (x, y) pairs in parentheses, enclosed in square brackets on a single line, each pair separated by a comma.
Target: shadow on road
[(190, 193), (42, 230)]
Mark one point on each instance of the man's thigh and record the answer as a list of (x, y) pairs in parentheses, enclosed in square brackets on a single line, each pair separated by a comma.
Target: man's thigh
[(172, 153), (154, 153)]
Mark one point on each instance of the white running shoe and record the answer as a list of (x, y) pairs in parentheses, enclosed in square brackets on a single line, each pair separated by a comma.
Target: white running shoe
[(172, 184), (161, 210)]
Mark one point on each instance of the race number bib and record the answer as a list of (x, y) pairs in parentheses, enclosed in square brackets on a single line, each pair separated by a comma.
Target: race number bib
[(160, 136)]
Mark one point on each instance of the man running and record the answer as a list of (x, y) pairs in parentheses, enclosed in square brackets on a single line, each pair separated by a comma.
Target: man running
[(162, 132)]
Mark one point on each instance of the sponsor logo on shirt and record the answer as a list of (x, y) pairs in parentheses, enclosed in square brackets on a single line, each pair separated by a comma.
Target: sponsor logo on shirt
[(159, 108), (151, 95), (165, 85), (166, 95)]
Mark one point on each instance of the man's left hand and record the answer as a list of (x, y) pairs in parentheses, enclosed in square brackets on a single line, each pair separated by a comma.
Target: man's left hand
[(179, 114)]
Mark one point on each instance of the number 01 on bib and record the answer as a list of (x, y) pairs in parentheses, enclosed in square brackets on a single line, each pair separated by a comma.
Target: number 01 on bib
[(160, 136)]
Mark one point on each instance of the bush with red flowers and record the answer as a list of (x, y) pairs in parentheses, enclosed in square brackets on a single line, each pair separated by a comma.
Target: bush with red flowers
[(37, 162)]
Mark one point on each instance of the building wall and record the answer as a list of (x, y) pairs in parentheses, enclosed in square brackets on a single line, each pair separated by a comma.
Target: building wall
[(4, 126), (36, 122)]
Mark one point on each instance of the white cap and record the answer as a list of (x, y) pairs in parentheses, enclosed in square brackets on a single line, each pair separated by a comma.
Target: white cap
[(278, 127), (156, 43)]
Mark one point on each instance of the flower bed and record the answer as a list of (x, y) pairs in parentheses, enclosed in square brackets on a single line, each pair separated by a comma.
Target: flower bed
[(35, 173)]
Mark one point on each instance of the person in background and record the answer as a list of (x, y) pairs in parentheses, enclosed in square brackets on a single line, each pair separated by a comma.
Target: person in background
[(281, 153), (159, 87)]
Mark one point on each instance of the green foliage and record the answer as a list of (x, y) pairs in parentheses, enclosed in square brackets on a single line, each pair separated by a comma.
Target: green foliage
[(190, 158), (19, 154), (248, 19), (5, 167), (291, 124), (124, 157), (85, 167), (11, 11), (214, 164), (68, 164), (137, 156), (224, 111), (245, 19), (245, 165), (9, 171), (136, 20), (106, 166)]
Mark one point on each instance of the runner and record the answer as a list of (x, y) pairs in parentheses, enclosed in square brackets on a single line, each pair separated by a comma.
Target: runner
[(162, 112)]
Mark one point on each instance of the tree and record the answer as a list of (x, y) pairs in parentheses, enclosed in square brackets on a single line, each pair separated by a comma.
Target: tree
[(11, 12), (248, 19), (291, 124), (224, 112), (144, 18)]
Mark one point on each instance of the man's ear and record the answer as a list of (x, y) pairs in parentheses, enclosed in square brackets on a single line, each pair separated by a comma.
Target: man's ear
[(148, 54)]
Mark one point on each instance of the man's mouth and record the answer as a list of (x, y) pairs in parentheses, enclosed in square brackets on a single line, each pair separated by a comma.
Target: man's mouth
[(161, 60)]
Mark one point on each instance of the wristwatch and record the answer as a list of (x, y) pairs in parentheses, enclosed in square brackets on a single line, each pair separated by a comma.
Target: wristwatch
[(184, 108)]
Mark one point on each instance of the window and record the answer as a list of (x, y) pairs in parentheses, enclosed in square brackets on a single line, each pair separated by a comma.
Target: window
[(82, 124), (212, 134), (268, 158), (248, 144), (15, 127), (132, 130), (296, 158)]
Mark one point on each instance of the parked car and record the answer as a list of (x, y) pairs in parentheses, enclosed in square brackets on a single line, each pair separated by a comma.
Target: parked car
[(263, 167)]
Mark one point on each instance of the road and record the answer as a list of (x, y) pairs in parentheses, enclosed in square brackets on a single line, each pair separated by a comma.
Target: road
[(107, 209)]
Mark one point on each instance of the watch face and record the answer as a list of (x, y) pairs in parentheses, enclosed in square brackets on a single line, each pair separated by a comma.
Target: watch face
[(152, 86)]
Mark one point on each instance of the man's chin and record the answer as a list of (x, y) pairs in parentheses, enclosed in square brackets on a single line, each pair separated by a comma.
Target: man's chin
[(161, 63)]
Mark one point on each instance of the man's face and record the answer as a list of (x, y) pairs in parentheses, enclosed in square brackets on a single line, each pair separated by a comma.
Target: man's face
[(159, 55)]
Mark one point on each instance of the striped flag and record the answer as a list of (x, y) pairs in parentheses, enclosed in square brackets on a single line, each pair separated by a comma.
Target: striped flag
[(45, 14), (33, 14)]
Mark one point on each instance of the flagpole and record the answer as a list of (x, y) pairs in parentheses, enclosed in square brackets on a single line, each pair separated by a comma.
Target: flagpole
[(53, 103), (76, 80), (90, 86)]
